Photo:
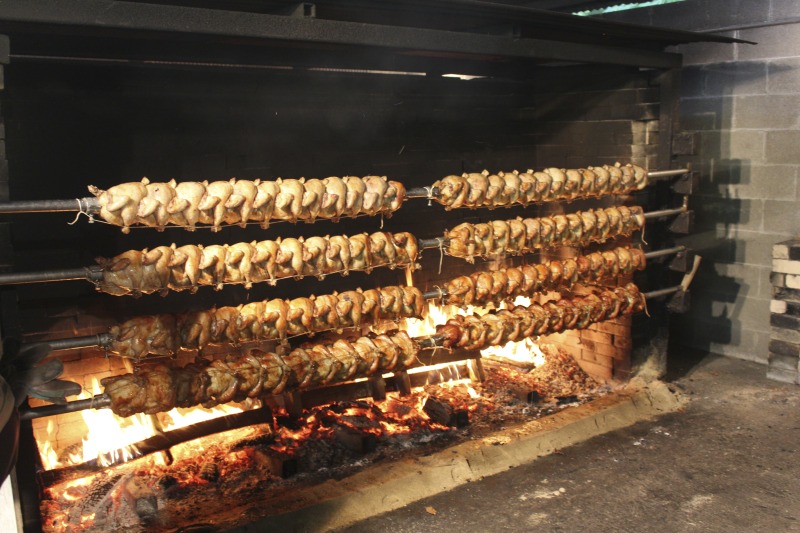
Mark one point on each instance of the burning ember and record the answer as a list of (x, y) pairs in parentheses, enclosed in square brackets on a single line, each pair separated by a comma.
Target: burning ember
[(249, 471)]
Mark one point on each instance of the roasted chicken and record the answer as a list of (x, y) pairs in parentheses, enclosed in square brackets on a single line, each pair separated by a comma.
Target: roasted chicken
[(496, 328), (239, 202), (157, 388), (553, 184), (187, 267), (165, 334), (520, 236), (482, 288)]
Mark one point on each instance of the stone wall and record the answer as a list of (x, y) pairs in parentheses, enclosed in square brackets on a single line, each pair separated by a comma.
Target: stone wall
[(739, 106)]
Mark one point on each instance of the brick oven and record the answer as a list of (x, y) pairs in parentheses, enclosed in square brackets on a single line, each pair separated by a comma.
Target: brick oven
[(409, 103)]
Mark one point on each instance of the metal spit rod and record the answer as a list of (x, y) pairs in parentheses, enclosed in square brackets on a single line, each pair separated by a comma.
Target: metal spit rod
[(91, 205)]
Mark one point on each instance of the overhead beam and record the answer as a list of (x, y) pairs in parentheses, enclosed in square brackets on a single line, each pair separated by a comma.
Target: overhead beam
[(165, 20)]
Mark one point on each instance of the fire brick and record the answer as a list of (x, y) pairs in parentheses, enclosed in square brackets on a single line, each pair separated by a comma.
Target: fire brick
[(793, 281), (598, 372), (596, 336), (785, 266)]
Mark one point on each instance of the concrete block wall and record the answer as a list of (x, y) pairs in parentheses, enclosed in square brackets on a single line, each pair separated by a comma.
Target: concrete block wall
[(739, 104)]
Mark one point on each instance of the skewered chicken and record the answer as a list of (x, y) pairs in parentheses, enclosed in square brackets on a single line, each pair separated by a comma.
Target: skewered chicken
[(507, 189), (169, 267), (159, 388), (241, 201), (499, 327), (519, 236), (165, 334), (481, 288)]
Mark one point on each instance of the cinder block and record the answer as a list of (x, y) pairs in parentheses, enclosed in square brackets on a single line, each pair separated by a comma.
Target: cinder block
[(765, 182), (745, 144), (777, 306), (783, 75), (781, 147), (780, 10), (706, 53), (773, 41), (735, 78), (781, 217), (765, 111)]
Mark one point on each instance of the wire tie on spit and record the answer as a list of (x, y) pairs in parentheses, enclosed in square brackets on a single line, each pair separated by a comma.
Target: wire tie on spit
[(441, 294), (429, 190), (82, 210)]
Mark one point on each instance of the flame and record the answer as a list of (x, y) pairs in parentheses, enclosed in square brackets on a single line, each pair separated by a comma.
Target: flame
[(111, 439)]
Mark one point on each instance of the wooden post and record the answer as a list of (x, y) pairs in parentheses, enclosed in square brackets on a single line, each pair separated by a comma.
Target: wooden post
[(403, 383), (378, 386)]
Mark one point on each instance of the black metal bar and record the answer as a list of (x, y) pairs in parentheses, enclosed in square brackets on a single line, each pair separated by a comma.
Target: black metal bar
[(88, 341), (86, 205), (180, 20), (99, 401), (19, 278)]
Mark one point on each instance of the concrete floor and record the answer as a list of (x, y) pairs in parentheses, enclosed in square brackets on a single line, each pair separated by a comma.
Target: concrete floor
[(729, 462)]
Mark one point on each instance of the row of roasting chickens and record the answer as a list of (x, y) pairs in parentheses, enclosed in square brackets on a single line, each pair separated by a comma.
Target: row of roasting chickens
[(525, 235), (505, 189), (189, 203), (240, 202), (155, 388), (165, 334), (187, 267)]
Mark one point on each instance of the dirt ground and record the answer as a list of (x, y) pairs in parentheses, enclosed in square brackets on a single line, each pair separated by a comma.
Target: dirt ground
[(729, 462)]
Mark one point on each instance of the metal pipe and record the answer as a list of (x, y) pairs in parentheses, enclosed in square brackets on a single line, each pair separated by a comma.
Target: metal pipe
[(665, 251), (662, 292), (86, 205), (18, 278), (664, 213), (99, 401), (658, 174)]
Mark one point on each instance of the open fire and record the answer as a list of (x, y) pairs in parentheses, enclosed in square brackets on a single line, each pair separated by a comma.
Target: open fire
[(250, 465)]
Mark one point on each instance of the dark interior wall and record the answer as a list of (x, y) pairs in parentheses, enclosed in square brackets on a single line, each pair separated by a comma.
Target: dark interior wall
[(71, 125)]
